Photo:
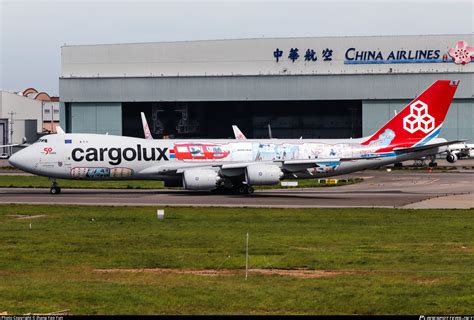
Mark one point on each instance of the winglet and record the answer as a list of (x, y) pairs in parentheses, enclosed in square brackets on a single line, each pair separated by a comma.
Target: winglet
[(59, 130), (238, 134), (146, 129)]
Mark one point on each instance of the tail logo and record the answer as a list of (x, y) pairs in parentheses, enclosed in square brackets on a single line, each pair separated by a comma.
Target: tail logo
[(419, 118)]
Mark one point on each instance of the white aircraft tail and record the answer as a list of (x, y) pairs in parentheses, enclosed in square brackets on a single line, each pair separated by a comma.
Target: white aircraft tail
[(59, 130), (146, 129), (238, 134)]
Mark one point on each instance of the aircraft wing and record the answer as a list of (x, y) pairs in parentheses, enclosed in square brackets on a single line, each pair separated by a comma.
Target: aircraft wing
[(426, 146), (300, 165), (286, 165), (178, 168)]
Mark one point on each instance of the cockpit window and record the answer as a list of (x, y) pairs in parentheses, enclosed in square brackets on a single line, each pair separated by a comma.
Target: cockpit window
[(42, 140)]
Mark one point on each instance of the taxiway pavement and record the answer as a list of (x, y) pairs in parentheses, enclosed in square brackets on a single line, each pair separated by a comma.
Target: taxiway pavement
[(396, 189)]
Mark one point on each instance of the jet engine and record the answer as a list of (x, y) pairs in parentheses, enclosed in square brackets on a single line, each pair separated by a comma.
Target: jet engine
[(200, 179), (263, 174), (451, 157)]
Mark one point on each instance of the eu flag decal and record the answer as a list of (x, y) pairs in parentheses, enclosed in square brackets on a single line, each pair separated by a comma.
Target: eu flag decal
[(68, 141)]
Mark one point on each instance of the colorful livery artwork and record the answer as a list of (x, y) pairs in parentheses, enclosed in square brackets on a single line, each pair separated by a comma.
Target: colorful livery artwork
[(200, 151)]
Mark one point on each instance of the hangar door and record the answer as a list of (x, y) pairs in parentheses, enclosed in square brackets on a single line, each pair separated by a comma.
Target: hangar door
[(94, 118), (288, 119)]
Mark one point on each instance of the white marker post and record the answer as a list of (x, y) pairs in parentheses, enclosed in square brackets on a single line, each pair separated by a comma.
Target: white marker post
[(160, 214), (247, 257), (289, 183)]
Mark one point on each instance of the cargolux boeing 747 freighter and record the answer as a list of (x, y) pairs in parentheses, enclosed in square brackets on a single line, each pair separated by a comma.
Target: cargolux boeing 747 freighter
[(240, 164)]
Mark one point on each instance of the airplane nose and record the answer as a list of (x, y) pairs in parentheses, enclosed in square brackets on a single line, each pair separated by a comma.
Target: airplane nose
[(13, 160), (19, 160)]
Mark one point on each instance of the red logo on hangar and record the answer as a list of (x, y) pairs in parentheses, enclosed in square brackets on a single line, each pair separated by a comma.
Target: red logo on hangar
[(462, 53)]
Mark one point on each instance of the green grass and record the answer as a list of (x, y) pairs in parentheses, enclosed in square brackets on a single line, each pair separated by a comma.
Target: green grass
[(403, 261), (314, 183), (7, 181), (43, 182)]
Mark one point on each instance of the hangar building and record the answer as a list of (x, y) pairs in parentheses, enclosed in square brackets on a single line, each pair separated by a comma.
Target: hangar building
[(336, 87)]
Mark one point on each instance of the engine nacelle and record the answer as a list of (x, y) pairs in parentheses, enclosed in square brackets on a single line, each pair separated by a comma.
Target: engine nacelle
[(200, 179), (263, 174), (451, 158)]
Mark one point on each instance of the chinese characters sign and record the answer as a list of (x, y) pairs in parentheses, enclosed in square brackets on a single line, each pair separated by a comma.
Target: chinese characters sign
[(461, 54), (310, 55)]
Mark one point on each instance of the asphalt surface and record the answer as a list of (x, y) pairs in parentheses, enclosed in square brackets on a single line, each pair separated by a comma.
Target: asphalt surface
[(404, 188)]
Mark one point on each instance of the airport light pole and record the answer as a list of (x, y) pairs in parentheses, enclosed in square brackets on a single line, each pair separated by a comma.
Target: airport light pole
[(52, 118), (247, 257), (11, 113)]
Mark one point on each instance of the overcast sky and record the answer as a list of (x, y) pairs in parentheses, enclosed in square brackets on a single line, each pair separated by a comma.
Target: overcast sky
[(32, 32)]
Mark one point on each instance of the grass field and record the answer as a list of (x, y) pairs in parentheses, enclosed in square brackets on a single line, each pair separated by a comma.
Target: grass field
[(391, 261), (7, 181)]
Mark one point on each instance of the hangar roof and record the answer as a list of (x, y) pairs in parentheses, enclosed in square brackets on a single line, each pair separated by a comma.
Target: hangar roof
[(268, 56)]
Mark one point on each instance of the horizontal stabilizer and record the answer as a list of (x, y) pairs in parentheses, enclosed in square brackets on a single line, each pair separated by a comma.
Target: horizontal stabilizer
[(426, 146)]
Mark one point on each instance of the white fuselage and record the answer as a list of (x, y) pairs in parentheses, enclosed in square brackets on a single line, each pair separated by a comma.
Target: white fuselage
[(93, 156)]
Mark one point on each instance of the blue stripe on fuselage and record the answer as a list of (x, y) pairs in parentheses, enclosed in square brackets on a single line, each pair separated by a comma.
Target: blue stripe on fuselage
[(433, 135), (385, 154), (328, 163)]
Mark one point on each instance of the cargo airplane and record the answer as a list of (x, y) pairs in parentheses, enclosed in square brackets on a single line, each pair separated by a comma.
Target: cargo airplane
[(238, 165)]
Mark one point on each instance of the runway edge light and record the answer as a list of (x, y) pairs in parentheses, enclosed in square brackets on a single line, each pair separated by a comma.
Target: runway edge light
[(160, 214)]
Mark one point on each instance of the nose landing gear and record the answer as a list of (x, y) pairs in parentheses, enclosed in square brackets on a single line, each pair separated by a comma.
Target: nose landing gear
[(55, 189)]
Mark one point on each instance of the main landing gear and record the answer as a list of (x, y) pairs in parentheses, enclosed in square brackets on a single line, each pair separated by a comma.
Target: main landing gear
[(237, 189), (55, 189), (244, 189)]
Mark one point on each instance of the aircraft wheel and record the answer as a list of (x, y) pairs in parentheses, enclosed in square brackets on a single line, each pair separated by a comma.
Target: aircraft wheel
[(244, 189), (55, 190)]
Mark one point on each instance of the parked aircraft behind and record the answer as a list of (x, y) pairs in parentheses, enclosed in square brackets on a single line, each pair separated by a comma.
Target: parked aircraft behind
[(240, 164), (238, 134), (460, 151), (147, 133), (146, 128)]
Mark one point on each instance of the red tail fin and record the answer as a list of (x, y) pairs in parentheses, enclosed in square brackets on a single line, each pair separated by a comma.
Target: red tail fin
[(419, 121)]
